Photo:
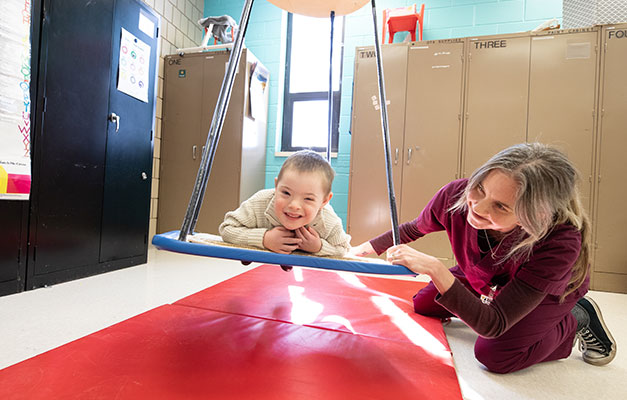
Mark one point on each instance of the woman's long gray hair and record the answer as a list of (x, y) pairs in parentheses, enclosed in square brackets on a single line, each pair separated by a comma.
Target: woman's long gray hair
[(547, 196)]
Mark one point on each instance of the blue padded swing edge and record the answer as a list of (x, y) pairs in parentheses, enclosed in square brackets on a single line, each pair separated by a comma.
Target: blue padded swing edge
[(169, 241)]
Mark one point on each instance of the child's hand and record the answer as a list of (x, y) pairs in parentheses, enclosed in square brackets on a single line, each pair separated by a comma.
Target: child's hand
[(310, 240), (281, 240)]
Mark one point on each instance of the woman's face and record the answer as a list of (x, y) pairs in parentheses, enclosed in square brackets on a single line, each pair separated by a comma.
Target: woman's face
[(491, 203)]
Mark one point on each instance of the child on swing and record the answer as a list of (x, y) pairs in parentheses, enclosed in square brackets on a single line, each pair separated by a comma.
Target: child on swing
[(295, 215)]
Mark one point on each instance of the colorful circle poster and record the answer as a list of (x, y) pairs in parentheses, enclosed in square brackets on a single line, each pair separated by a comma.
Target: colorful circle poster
[(134, 66)]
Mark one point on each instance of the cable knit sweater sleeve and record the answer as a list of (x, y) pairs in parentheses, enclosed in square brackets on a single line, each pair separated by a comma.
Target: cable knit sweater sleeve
[(335, 242), (247, 224)]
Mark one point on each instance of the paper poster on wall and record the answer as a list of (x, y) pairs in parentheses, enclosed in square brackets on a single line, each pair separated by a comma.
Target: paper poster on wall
[(15, 106), (256, 92), (134, 66)]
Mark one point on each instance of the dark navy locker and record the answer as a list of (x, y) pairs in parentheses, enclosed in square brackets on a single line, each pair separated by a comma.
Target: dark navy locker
[(128, 163), (13, 229), (90, 202)]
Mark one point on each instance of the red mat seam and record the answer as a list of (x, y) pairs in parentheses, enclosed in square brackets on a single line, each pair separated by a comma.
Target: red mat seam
[(307, 325)]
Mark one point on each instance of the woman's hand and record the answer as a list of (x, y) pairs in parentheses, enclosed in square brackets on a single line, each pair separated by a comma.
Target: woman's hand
[(416, 261), (281, 240), (422, 263), (362, 250), (310, 240)]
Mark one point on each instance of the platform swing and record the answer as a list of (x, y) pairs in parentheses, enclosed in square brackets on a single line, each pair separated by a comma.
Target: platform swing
[(185, 241)]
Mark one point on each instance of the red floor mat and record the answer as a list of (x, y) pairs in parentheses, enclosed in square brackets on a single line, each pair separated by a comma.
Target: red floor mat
[(341, 301), (182, 351)]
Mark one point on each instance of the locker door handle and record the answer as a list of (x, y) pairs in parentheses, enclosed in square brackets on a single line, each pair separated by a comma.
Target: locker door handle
[(113, 117), (194, 149), (408, 155), (396, 156)]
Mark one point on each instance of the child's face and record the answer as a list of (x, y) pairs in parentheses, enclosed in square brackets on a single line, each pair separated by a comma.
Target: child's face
[(298, 198)]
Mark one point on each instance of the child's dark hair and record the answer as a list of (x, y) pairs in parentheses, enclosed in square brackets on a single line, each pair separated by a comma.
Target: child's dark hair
[(310, 161)]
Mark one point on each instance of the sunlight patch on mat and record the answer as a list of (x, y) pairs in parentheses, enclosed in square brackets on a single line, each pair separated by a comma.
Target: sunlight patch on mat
[(414, 332), (351, 279), (304, 310), (338, 319)]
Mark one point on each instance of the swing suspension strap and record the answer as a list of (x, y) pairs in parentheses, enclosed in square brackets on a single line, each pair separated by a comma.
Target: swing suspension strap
[(330, 131), (198, 193), (383, 106), (204, 171)]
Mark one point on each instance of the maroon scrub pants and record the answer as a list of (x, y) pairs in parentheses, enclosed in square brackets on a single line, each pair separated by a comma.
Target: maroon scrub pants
[(547, 333)]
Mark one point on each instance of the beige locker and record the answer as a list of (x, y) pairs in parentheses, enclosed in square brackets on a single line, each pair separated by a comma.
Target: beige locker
[(562, 96), (424, 87), (435, 75), (368, 203), (191, 86), (497, 87), (610, 261)]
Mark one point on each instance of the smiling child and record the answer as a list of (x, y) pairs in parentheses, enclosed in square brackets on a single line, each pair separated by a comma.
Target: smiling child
[(295, 215)]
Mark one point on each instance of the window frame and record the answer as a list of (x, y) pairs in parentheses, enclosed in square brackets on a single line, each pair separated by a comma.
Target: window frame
[(290, 98)]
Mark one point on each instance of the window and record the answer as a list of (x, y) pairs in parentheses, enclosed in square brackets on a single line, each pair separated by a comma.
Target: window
[(305, 104)]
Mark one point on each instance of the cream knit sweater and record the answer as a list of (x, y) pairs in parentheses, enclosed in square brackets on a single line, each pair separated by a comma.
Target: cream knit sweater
[(247, 225)]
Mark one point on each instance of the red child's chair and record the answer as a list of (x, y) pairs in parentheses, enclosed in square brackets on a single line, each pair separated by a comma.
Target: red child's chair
[(401, 20)]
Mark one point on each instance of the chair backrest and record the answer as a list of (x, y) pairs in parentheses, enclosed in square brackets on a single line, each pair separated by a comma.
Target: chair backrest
[(400, 11), (392, 13)]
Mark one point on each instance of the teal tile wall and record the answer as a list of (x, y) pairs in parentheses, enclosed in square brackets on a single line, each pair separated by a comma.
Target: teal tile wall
[(443, 19), (498, 13)]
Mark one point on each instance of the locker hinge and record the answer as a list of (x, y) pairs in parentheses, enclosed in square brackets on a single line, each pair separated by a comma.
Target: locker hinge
[(157, 32), (599, 179), (605, 49), (145, 238), (45, 105), (151, 132)]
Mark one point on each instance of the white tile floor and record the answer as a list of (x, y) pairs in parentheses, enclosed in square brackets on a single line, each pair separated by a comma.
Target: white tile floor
[(36, 321)]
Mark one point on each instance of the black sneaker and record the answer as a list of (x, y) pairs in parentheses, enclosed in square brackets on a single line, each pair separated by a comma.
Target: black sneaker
[(595, 340)]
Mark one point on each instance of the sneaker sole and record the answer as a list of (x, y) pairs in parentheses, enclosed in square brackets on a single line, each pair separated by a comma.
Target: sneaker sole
[(610, 357)]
